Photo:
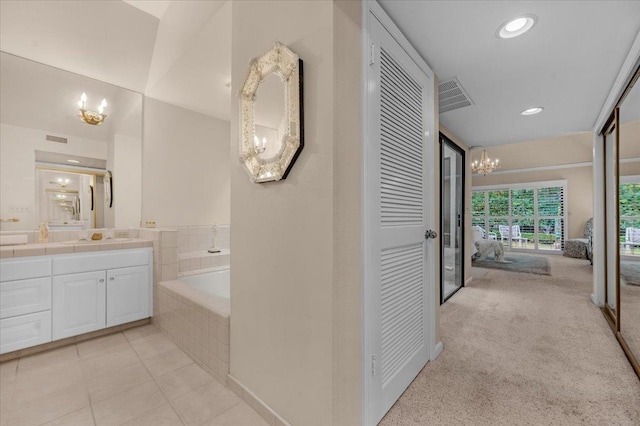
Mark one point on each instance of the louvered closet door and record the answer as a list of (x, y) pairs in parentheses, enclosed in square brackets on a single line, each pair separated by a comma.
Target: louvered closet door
[(400, 190)]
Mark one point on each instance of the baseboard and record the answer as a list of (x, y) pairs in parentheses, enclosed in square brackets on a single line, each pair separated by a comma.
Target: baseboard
[(468, 281), (259, 406), (438, 350)]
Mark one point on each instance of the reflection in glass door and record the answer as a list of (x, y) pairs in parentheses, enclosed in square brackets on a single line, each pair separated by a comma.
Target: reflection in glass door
[(451, 217), (611, 160)]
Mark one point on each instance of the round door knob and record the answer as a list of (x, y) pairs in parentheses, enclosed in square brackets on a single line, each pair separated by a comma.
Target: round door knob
[(430, 233)]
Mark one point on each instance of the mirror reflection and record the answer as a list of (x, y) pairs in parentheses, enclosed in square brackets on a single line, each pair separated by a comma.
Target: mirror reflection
[(269, 117), (46, 135), (629, 213)]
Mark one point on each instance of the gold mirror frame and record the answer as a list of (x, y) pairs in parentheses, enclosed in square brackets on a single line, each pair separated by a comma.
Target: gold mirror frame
[(285, 64)]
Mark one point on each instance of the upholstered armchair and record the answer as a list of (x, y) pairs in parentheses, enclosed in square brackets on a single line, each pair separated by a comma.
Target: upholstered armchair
[(581, 248)]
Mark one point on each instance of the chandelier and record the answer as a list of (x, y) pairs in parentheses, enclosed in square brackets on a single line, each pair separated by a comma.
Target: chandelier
[(91, 117), (485, 165)]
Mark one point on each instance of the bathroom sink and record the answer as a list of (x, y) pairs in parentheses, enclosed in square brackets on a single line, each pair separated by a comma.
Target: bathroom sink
[(103, 241)]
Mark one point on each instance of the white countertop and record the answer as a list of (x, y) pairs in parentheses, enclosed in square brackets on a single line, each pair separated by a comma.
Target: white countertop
[(41, 249)]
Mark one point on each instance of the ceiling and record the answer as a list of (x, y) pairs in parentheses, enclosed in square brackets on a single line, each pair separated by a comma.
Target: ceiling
[(566, 63), (180, 52)]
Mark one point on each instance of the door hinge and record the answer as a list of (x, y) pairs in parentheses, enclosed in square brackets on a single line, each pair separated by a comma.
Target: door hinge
[(372, 54), (373, 365)]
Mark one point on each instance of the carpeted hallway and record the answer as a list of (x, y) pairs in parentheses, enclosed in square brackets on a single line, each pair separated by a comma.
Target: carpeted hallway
[(524, 349)]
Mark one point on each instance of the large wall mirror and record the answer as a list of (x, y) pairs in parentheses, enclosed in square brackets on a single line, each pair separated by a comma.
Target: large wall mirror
[(53, 164), (622, 232), (629, 219)]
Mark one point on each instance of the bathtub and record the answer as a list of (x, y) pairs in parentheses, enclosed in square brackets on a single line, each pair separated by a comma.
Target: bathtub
[(216, 282), (194, 312)]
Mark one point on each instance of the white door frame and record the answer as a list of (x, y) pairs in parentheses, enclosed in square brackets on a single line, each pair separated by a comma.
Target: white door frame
[(435, 348)]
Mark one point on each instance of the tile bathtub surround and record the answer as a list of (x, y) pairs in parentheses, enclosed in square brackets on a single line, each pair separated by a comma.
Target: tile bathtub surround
[(135, 377), (165, 258), (198, 323), (203, 261), (200, 238)]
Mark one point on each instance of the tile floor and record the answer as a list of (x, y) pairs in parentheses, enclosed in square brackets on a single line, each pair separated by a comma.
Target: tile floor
[(136, 377)]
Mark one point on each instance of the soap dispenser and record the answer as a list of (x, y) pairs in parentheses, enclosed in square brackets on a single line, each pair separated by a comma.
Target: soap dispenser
[(44, 232)]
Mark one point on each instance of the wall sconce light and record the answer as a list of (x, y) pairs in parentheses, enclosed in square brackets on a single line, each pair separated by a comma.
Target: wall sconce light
[(91, 117), (61, 182), (258, 146)]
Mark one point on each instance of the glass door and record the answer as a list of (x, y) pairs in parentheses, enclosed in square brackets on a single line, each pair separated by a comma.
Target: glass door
[(451, 217)]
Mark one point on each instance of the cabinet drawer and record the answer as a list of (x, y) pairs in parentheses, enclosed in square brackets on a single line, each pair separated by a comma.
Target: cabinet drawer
[(25, 297), (25, 330), (86, 262), (22, 269)]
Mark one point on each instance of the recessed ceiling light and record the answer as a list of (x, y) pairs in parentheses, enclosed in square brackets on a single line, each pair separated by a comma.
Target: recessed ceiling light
[(516, 26), (74, 161), (532, 111)]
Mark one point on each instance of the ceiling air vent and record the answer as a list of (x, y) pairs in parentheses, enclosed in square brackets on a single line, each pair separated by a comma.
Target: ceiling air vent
[(452, 95), (56, 139)]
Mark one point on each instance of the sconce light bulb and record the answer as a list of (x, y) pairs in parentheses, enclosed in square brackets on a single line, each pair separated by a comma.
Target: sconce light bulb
[(264, 143), (256, 142)]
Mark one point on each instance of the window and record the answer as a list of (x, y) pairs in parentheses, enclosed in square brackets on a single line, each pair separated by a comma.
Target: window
[(629, 201), (527, 216)]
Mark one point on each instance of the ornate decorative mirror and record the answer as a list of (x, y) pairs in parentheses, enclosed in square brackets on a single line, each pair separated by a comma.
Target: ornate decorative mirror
[(271, 119)]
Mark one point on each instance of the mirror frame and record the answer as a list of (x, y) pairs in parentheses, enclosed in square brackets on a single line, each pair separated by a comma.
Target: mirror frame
[(282, 62)]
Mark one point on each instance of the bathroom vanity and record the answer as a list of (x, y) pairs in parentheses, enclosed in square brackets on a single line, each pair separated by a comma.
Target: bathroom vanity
[(52, 297)]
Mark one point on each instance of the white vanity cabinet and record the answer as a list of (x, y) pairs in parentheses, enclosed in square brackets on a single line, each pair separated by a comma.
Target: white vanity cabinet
[(47, 298), (25, 303), (97, 290)]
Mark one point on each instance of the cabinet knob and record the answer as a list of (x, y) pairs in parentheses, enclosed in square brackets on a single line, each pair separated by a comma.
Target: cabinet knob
[(112, 278), (101, 280)]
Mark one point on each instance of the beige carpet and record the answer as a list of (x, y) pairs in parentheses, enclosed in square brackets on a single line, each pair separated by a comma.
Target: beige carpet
[(524, 349)]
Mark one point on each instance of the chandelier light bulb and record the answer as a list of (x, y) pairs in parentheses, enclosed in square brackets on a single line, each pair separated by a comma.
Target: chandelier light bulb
[(485, 165)]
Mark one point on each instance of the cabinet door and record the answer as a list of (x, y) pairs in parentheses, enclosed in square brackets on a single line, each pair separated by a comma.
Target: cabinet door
[(128, 294), (78, 303)]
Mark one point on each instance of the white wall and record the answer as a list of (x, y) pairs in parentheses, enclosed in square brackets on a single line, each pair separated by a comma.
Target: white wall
[(185, 166), (295, 276), (17, 168)]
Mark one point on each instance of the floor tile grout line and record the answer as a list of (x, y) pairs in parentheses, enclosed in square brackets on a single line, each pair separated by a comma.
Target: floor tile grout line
[(163, 392), (13, 392), (169, 400), (92, 403), (240, 401)]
